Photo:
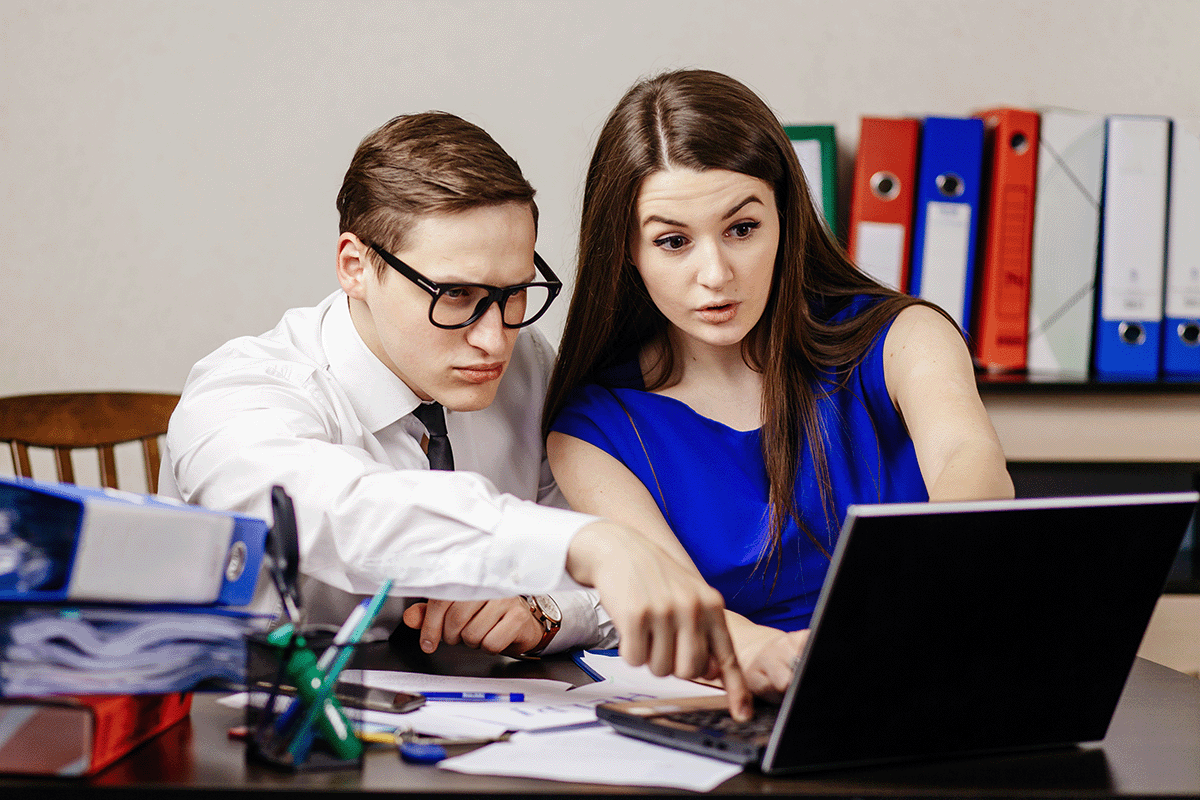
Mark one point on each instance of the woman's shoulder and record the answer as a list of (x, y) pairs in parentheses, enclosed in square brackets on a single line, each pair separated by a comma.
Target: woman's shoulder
[(596, 414), (592, 404), (908, 321), (920, 324)]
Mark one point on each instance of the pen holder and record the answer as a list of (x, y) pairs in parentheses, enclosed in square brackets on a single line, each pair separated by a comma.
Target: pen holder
[(284, 730)]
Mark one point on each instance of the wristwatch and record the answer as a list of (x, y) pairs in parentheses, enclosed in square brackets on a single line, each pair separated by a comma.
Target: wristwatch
[(546, 612)]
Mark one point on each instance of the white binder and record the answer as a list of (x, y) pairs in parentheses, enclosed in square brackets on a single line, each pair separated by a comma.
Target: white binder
[(1181, 329), (1066, 235), (1132, 248)]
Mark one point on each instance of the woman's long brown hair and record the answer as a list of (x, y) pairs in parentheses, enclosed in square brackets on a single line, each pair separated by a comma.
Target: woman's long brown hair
[(700, 120)]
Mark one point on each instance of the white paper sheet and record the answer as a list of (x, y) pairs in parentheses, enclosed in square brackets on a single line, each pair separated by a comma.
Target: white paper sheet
[(547, 703), (618, 672), (594, 755)]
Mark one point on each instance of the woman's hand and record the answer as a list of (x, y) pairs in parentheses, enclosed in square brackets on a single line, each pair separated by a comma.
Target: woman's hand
[(769, 672)]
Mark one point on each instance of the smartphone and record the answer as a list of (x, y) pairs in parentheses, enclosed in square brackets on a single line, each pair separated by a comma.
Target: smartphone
[(355, 695)]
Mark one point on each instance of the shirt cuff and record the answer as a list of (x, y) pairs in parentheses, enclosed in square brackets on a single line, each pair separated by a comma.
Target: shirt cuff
[(585, 623)]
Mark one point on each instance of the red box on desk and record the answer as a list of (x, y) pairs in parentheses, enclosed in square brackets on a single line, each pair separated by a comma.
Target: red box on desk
[(81, 734)]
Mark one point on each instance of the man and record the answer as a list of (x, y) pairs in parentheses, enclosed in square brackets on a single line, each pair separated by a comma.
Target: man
[(439, 280)]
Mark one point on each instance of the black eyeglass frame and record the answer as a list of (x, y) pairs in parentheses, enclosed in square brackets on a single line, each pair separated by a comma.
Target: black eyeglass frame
[(495, 294)]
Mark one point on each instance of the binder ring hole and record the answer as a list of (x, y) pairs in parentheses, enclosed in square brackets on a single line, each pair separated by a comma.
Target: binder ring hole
[(1131, 333), (1019, 143), (236, 565), (885, 185), (949, 184), (1189, 333)]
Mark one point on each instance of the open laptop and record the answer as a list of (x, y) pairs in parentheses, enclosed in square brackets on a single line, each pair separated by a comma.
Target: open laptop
[(948, 629)]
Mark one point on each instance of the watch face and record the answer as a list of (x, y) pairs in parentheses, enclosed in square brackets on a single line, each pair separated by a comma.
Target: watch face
[(548, 606)]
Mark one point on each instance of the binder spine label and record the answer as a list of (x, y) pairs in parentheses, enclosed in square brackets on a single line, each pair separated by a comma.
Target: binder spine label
[(121, 555), (1131, 295), (808, 151), (1183, 295), (880, 251), (947, 244)]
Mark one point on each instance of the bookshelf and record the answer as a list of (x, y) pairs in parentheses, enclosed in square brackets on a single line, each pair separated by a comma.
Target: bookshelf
[(1094, 422)]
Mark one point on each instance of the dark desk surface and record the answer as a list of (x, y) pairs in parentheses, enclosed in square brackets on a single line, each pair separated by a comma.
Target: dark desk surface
[(1152, 749)]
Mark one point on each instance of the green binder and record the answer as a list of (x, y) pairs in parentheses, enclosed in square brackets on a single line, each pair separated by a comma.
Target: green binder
[(816, 147)]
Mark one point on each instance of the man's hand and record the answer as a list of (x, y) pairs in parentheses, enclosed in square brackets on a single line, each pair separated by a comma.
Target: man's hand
[(668, 617), (491, 625)]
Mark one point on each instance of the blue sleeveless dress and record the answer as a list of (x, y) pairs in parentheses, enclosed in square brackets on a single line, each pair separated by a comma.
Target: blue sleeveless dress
[(710, 480)]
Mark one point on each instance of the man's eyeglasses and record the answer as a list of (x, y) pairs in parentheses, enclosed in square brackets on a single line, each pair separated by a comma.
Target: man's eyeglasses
[(457, 305)]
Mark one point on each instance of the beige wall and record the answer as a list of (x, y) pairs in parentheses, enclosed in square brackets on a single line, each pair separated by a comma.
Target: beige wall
[(169, 168)]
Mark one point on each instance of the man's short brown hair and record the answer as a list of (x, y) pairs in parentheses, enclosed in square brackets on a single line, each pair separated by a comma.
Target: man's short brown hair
[(426, 163)]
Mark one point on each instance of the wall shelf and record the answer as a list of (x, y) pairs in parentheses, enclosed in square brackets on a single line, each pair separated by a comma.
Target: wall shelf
[(1074, 436), (1021, 383)]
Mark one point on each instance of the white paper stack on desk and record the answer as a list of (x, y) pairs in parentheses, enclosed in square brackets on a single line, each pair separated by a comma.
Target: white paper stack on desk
[(53, 649)]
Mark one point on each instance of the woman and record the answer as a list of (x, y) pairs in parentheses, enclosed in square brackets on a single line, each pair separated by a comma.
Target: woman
[(728, 381)]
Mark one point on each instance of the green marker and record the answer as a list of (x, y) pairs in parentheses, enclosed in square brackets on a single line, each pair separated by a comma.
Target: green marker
[(307, 676), (303, 739)]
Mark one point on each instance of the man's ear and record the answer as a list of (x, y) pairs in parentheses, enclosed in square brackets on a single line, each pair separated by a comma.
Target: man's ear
[(352, 265)]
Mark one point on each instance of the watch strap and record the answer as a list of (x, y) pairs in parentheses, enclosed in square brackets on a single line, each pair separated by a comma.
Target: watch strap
[(549, 626)]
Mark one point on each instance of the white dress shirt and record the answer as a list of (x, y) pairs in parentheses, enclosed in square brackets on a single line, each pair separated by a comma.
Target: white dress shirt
[(309, 407)]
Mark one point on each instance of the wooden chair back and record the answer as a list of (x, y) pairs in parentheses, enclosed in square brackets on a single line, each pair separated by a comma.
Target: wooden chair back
[(68, 421)]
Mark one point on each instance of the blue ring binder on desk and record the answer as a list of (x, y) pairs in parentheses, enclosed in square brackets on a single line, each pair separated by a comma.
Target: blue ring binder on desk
[(311, 732)]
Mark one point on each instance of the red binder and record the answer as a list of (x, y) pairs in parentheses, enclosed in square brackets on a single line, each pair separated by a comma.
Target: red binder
[(881, 200), (81, 734), (1000, 336)]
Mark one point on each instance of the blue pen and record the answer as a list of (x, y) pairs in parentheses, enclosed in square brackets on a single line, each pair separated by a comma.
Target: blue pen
[(304, 736), (477, 697)]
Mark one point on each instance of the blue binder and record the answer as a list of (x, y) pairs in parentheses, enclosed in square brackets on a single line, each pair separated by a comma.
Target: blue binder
[(1181, 328), (65, 543), (946, 224), (1133, 238)]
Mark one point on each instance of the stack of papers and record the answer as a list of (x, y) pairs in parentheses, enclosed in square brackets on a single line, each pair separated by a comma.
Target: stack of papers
[(592, 752), (559, 737), (50, 649)]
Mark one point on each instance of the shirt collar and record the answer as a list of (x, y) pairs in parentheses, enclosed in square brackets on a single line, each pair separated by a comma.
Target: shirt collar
[(377, 394)]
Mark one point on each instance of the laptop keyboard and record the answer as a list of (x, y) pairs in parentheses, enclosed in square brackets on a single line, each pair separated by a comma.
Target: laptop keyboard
[(720, 721)]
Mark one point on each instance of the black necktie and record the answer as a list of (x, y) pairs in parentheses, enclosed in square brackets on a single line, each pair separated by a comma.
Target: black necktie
[(434, 419)]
